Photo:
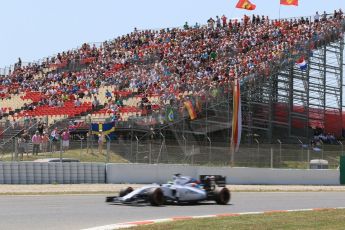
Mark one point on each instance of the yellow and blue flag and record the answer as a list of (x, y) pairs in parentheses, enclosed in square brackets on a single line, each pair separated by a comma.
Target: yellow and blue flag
[(106, 128)]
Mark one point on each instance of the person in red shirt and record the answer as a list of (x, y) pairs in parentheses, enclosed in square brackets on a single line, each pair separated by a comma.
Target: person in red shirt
[(224, 20), (65, 139)]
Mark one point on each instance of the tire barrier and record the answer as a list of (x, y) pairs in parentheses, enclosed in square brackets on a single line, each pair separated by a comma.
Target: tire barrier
[(51, 173)]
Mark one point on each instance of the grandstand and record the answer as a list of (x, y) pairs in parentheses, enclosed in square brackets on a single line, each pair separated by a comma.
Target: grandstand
[(150, 75)]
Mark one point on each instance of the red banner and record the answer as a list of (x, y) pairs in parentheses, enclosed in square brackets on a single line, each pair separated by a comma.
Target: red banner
[(289, 2), (245, 4)]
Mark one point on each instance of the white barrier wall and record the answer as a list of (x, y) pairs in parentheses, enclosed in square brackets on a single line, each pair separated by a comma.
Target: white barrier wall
[(144, 173), (49, 173), (73, 173)]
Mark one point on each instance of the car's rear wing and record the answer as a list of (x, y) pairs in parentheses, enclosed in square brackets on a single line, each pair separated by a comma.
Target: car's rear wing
[(210, 181)]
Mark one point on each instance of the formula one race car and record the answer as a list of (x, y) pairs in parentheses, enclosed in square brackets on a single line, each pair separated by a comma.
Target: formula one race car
[(183, 189)]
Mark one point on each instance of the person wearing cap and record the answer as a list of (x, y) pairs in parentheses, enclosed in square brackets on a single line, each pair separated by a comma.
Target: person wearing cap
[(36, 141)]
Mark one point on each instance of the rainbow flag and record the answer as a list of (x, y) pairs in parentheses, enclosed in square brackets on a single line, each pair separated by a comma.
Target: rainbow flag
[(190, 108), (245, 4), (236, 117), (289, 2)]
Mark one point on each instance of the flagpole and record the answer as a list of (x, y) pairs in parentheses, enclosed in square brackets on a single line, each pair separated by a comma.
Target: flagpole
[(232, 145)]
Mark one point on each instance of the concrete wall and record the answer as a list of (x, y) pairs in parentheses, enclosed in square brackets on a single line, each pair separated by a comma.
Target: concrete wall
[(143, 173), (73, 173), (49, 173)]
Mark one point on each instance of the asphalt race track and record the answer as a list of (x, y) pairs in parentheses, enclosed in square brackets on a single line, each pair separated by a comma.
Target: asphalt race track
[(86, 211)]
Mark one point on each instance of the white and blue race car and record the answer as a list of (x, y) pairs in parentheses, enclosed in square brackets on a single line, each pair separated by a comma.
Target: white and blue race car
[(183, 189)]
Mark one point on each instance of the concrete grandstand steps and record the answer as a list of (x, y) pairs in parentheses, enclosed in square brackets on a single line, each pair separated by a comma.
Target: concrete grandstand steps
[(15, 102)]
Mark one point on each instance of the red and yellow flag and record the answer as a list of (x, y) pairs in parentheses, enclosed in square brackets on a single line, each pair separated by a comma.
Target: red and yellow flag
[(245, 4), (289, 2), (191, 111), (236, 117)]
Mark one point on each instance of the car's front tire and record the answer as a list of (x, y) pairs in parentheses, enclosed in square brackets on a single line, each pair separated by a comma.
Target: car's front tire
[(222, 195), (156, 197)]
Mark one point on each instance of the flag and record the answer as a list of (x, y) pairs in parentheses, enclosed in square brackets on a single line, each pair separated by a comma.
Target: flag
[(170, 115), (106, 128), (190, 108), (236, 117), (289, 2), (245, 4), (302, 64)]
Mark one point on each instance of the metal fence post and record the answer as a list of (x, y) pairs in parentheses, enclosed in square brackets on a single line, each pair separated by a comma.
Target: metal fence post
[(185, 144), (322, 149), (137, 152), (209, 150), (150, 151), (308, 159), (108, 150), (280, 151), (131, 157), (60, 150), (258, 151), (81, 147), (271, 157), (301, 149), (15, 150), (192, 157)]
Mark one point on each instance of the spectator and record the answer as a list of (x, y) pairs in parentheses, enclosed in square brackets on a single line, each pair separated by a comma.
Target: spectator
[(65, 136), (40, 127), (45, 141), (25, 138), (324, 16), (218, 22), (36, 141), (316, 17), (186, 26), (101, 140), (77, 103), (210, 23), (95, 103), (224, 20), (27, 120), (55, 138), (108, 94)]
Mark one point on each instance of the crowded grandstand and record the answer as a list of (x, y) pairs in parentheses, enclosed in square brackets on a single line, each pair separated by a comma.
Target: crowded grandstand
[(172, 72)]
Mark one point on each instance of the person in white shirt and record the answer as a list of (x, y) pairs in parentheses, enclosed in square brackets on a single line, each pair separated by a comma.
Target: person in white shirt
[(316, 17)]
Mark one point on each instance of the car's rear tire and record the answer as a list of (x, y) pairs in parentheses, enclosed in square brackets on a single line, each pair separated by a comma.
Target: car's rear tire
[(222, 195), (124, 192), (156, 197)]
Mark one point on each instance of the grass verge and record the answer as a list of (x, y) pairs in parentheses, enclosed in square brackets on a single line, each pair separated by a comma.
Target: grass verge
[(323, 219), (83, 156)]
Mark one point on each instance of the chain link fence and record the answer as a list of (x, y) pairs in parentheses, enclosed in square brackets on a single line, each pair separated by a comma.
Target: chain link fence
[(154, 151)]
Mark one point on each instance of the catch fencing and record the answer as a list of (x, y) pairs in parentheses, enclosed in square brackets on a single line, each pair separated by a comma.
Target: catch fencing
[(126, 149)]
